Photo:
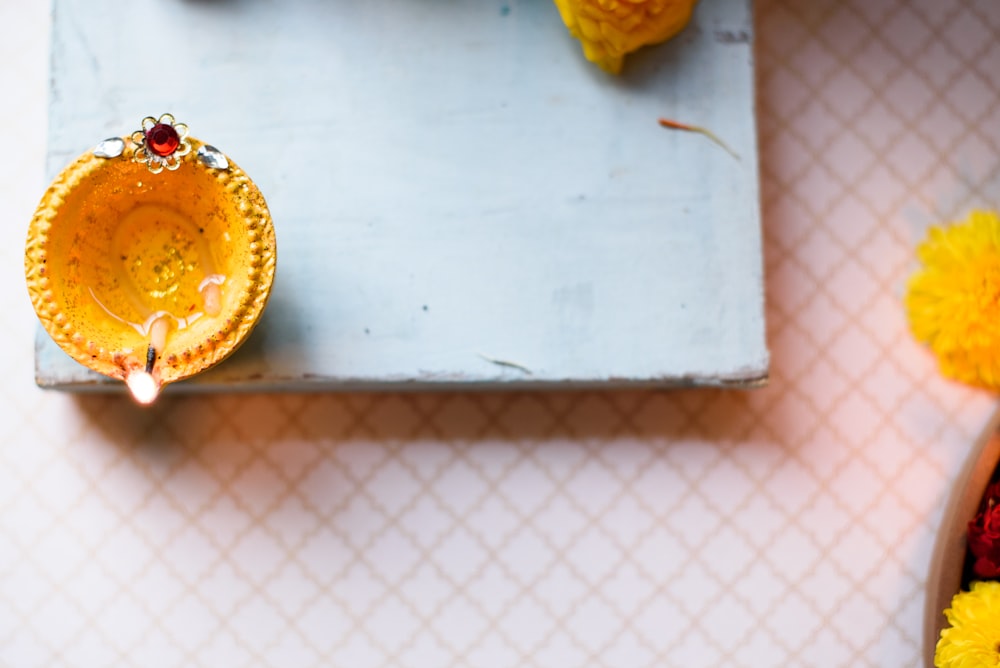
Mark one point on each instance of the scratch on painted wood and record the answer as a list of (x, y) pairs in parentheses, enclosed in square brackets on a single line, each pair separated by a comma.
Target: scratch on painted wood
[(506, 363)]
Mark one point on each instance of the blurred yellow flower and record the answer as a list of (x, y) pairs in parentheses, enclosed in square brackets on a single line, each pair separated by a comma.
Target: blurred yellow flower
[(974, 635), (953, 301), (608, 29)]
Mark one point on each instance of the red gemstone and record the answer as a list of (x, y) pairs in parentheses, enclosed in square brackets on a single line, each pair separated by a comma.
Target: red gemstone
[(162, 139)]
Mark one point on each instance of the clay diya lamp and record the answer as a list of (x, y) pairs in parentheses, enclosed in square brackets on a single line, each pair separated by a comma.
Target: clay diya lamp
[(150, 258)]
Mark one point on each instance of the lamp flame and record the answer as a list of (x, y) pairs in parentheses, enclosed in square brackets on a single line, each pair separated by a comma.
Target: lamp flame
[(143, 387)]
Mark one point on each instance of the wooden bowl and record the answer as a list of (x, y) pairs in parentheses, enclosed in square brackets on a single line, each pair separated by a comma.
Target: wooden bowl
[(944, 578)]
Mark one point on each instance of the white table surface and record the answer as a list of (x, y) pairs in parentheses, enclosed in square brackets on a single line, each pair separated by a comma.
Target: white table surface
[(789, 526)]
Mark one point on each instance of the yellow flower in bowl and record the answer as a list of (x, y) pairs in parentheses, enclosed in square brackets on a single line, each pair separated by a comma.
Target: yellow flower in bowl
[(609, 29), (971, 639)]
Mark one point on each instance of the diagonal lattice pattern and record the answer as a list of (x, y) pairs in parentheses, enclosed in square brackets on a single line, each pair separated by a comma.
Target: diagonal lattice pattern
[(787, 526)]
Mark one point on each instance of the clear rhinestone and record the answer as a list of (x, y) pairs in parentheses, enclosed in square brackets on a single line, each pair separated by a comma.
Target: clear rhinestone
[(212, 157), (110, 148)]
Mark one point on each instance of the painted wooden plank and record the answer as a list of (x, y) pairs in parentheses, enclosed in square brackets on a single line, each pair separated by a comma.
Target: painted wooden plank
[(460, 199)]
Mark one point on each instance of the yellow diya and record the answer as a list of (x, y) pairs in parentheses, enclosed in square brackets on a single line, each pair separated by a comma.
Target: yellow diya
[(150, 258)]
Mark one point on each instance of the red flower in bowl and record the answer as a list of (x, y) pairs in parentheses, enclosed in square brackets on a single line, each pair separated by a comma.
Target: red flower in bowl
[(984, 535)]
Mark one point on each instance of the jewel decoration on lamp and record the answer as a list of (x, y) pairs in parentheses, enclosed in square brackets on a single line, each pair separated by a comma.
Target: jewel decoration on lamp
[(161, 143)]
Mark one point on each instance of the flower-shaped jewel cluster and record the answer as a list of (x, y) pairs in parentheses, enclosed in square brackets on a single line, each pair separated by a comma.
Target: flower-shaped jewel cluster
[(161, 143)]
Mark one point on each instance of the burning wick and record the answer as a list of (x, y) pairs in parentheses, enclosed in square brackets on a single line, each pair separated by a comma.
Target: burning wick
[(150, 358), (141, 384)]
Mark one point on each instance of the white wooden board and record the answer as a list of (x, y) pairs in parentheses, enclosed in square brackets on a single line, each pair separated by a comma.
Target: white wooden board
[(452, 185)]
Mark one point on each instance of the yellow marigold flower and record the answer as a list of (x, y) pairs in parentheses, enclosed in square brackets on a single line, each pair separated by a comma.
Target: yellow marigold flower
[(973, 639), (608, 29), (953, 301)]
